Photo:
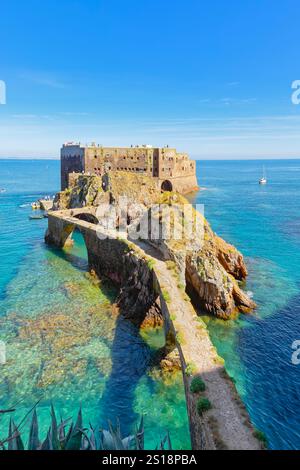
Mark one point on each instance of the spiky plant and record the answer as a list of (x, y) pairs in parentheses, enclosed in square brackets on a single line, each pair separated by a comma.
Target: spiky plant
[(69, 436)]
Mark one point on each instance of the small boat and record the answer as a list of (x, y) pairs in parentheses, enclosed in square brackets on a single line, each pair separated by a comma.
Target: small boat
[(36, 217), (263, 180), (34, 206), (2, 190)]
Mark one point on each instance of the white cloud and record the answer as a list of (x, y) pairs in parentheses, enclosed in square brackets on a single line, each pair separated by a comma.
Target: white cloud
[(236, 137), (43, 79)]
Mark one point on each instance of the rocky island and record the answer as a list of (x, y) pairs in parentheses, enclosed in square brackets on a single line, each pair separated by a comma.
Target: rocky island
[(168, 276), (209, 268), (170, 268)]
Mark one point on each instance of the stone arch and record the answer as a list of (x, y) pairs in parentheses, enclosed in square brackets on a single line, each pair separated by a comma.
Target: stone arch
[(67, 235), (90, 218), (167, 186)]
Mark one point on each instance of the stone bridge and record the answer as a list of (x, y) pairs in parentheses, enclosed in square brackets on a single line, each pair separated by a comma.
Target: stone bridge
[(144, 280)]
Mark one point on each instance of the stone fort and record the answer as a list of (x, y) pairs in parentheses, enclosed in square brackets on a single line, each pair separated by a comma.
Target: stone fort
[(173, 171)]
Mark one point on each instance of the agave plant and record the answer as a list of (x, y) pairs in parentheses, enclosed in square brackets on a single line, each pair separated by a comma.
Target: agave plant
[(66, 435)]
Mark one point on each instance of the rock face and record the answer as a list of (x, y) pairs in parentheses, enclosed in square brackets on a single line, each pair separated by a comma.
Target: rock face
[(93, 190), (137, 296), (231, 259), (207, 266), (84, 191)]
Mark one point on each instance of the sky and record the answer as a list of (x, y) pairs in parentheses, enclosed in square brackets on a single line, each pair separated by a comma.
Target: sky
[(209, 78)]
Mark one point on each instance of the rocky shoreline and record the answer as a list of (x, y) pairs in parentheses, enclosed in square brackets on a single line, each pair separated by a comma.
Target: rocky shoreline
[(169, 280)]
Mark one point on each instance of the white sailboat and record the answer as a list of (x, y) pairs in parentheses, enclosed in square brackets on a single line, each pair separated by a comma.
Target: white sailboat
[(263, 180)]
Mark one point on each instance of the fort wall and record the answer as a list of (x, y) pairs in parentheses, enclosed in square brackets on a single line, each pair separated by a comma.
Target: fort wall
[(173, 170)]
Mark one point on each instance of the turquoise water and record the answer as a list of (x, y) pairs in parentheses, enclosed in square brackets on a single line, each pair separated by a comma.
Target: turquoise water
[(65, 344), (264, 223)]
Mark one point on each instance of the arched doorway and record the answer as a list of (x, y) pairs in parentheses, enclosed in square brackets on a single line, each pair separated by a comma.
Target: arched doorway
[(167, 186)]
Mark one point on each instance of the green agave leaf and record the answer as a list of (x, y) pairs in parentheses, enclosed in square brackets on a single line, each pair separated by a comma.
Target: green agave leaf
[(61, 431), (139, 437), (127, 441), (116, 436), (107, 441), (10, 442), (169, 441), (34, 442), (86, 441), (162, 443), (2, 412), (93, 439), (47, 444), (54, 430), (69, 434), (15, 440), (73, 442), (78, 438)]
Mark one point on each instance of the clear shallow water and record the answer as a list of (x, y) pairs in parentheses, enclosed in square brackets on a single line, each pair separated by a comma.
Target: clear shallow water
[(264, 223), (64, 342), (98, 361)]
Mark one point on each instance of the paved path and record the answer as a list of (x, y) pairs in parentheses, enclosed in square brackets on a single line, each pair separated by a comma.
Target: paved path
[(228, 414)]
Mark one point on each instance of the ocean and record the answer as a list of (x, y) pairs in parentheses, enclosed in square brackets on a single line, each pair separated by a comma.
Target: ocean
[(65, 344), (264, 223)]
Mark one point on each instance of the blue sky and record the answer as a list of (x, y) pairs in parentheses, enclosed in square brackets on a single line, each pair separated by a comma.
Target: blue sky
[(211, 78)]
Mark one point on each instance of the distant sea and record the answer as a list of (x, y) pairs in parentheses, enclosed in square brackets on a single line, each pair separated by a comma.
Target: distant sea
[(104, 363)]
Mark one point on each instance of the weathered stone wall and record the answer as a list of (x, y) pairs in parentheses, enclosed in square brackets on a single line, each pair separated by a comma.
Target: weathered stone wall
[(182, 184), (173, 164), (161, 163), (100, 160), (72, 159)]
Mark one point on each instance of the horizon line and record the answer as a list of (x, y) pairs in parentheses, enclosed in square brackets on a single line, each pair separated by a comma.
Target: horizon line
[(27, 158)]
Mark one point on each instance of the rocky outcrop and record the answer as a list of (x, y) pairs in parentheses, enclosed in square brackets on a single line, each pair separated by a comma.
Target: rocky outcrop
[(83, 191), (93, 190), (217, 291), (207, 266), (231, 259)]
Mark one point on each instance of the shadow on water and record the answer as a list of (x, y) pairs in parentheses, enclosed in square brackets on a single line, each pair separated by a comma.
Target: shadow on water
[(77, 257), (131, 359)]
